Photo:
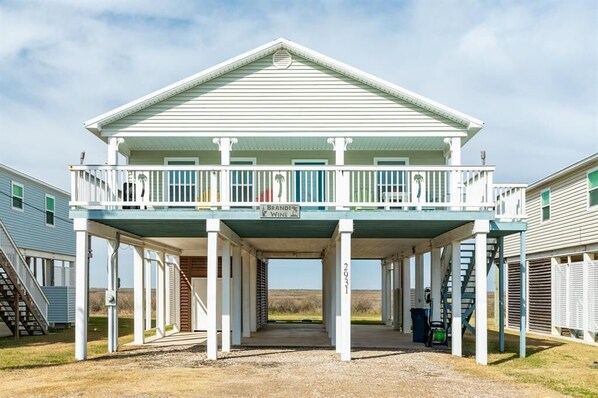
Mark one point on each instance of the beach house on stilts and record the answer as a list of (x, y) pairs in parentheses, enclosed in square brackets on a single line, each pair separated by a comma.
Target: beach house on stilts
[(283, 152)]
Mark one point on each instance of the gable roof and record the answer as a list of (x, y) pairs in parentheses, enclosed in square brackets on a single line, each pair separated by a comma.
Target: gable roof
[(95, 125), (33, 179), (573, 167)]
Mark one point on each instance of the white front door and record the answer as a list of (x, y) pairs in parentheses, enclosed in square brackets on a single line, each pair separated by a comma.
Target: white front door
[(199, 304)]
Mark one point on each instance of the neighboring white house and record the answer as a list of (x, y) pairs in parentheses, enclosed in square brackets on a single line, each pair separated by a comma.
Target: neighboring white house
[(283, 152), (562, 254), (37, 251)]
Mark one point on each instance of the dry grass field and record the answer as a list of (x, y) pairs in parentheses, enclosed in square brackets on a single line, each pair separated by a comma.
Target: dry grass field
[(43, 366)]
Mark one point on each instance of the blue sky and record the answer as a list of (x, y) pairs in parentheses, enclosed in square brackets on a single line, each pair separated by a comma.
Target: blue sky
[(528, 69)]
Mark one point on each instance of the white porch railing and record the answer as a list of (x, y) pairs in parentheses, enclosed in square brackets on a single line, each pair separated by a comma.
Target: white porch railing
[(510, 201), (21, 269), (353, 187)]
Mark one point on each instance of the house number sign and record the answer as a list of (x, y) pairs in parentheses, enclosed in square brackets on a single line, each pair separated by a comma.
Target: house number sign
[(346, 277)]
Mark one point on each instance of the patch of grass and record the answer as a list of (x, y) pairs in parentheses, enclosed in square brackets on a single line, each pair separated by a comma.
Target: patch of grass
[(58, 347), (556, 364)]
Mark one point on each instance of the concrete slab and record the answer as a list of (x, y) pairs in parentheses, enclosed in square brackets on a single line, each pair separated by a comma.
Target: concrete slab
[(304, 335)]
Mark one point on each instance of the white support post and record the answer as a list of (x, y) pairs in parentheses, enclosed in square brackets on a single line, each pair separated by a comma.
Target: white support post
[(177, 293), (337, 295), (160, 295), (419, 281), (345, 228), (225, 145), (324, 293), (253, 293), (113, 287), (523, 297), (148, 290), (332, 296), (167, 291), (339, 144), (212, 228), (406, 286), (587, 334), (481, 299), (246, 327), (456, 341), (396, 270), (82, 290), (138, 282), (237, 291), (455, 178), (383, 292), (226, 307), (435, 283)]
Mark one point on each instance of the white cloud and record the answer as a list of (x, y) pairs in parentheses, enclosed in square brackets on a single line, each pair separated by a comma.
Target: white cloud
[(529, 70)]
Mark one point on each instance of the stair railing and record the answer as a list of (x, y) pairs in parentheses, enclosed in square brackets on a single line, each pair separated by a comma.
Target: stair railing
[(25, 276)]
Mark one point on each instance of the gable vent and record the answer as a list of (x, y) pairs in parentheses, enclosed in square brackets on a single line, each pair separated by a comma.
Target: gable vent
[(282, 59)]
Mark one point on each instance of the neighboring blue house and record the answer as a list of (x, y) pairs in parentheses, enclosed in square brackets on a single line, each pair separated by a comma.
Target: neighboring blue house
[(37, 250)]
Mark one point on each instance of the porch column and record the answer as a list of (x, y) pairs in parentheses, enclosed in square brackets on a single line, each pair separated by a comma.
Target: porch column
[(419, 281), (456, 298), (246, 327), (501, 295), (226, 296), (253, 293), (212, 228), (396, 271), (587, 334), (148, 289), (138, 282), (177, 292), (332, 296), (383, 292), (167, 290), (236, 338), (337, 295), (113, 289), (523, 296), (435, 283), (160, 294), (406, 286), (82, 287), (323, 260), (455, 177), (345, 228), (481, 293), (339, 144), (225, 145)]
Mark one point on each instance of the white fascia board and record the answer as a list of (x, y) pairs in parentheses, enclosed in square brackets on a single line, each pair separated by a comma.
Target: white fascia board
[(569, 169), (298, 134), (95, 124), (36, 180), (470, 122)]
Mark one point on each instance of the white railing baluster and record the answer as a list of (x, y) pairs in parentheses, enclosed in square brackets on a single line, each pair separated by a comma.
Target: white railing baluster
[(384, 187)]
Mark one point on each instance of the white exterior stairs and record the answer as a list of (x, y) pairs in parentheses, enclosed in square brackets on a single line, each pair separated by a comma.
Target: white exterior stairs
[(23, 305), (467, 281)]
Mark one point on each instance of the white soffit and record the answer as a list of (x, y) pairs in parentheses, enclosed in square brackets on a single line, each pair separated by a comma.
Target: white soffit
[(165, 143)]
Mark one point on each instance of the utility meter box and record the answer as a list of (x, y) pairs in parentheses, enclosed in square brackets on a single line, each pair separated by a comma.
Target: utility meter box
[(110, 298)]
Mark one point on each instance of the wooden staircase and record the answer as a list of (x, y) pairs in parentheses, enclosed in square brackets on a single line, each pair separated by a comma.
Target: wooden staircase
[(467, 281), (23, 305)]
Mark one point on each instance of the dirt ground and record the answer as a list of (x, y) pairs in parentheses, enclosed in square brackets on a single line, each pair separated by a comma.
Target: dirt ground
[(276, 372)]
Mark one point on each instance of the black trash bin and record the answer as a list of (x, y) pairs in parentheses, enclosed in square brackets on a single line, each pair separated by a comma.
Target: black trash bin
[(420, 325)]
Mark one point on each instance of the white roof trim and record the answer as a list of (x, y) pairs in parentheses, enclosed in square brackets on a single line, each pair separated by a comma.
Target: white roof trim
[(95, 124), (581, 163), (36, 180)]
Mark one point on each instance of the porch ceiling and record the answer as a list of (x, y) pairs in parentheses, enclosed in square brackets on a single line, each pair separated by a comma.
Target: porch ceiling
[(282, 143), (290, 229)]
